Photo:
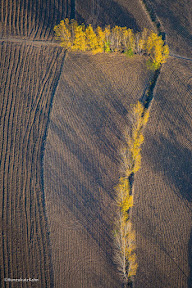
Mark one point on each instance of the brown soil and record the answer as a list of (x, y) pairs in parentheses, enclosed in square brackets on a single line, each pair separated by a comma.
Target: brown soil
[(36, 19), (31, 19), (176, 17), (81, 164), (28, 79), (163, 187), (81, 157), (114, 12)]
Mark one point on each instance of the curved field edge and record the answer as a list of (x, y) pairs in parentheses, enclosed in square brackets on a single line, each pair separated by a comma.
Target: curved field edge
[(81, 162), (162, 210), (28, 79)]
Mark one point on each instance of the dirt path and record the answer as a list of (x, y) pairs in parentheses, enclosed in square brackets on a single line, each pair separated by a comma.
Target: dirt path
[(29, 42), (179, 56)]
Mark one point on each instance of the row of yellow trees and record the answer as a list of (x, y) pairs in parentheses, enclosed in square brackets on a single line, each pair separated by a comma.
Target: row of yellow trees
[(78, 37), (124, 233)]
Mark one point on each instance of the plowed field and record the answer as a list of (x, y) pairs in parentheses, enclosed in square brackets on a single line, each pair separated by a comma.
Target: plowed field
[(176, 18), (163, 187), (34, 19), (114, 12), (81, 164), (64, 238), (28, 79)]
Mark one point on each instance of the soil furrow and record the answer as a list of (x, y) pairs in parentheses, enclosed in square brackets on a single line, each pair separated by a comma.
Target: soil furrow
[(81, 164), (24, 243)]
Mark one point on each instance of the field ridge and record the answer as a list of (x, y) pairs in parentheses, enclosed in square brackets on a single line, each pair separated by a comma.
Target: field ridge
[(29, 76)]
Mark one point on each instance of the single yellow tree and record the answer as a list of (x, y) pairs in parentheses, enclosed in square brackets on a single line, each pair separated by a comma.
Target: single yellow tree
[(101, 40), (107, 33), (123, 198), (79, 42), (117, 35), (91, 39), (62, 33)]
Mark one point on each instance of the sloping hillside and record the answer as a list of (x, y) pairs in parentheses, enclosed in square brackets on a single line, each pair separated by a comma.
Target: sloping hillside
[(176, 20), (81, 164), (29, 74), (36, 19), (32, 19), (163, 187), (28, 79), (113, 12)]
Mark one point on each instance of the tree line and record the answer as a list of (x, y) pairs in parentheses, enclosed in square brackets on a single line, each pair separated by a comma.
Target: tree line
[(77, 37), (124, 234)]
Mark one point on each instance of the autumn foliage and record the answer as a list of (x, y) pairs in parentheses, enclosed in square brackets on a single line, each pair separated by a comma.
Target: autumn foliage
[(117, 39), (124, 234)]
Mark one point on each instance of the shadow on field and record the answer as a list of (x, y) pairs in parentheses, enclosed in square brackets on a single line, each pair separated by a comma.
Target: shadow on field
[(109, 12), (175, 22), (175, 161), (84, 200), (42, 16), (150, 234), (173, 152), (47, 117)]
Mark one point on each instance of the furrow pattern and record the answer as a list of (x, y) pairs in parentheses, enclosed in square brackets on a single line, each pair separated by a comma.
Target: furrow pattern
[(28, 80), (81, 164), (163, 199), (34, 19)]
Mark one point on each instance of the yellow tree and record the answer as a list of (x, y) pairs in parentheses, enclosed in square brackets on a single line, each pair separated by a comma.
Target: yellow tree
[(135, 140), (165, 53), (79, 42), (124, 234), (76, 37), (123, 198), (107, 33), (142, 40), (157, 50), (101, 40), (73, 25), (91, 39), (117, 37), (128, 39), (62, 33)]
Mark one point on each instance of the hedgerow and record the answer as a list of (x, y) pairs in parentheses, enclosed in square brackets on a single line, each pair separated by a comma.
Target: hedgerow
[(77, 37), (124, 234)]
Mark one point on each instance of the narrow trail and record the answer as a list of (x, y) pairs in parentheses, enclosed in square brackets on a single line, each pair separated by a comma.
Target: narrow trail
[(36, 43), (180, 57)]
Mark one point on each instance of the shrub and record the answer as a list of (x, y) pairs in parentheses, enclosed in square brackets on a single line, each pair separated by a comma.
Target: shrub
[(129, 52)]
